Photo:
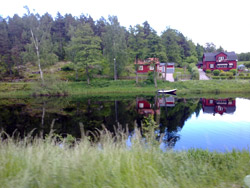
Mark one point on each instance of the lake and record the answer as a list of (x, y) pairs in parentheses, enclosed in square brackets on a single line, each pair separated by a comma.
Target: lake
[(219, 124)]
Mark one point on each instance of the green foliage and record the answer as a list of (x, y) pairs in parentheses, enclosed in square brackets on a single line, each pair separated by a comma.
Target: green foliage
[(68, 67), (150, 79), (52, 87), (191, 66), (115, 47), (216, 72), (208, 71), (192, 59), (234, 71), (226, 74), (195, 73), (247, 64)]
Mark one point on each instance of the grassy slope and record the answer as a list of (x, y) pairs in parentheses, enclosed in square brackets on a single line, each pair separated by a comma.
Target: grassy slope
[(120, 87), (57, 82), (112, 164)]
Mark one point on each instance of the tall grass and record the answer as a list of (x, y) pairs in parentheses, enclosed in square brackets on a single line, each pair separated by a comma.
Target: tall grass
[(112, 163)]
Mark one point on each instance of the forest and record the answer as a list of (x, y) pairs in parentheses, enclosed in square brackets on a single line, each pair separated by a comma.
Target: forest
[(94, 46)]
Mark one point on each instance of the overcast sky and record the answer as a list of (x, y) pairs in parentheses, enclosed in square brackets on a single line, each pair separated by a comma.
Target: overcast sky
[(223, 22)]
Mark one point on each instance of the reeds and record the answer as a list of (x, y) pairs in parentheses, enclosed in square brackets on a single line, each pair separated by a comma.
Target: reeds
[(112, 162)]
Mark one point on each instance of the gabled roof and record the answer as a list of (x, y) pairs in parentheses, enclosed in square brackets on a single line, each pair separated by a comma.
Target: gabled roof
[(148, 61), (212, 56)]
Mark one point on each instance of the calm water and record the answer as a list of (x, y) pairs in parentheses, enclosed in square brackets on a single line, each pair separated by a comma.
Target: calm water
[(215, 124)]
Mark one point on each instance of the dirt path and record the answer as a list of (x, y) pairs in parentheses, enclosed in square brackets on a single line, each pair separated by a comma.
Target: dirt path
[(203, 75)]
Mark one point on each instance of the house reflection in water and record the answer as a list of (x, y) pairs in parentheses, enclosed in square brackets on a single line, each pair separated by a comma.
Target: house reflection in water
[(219, 106), (144, 107)]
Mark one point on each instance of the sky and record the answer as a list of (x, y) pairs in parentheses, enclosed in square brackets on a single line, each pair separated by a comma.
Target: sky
[(223, 22)]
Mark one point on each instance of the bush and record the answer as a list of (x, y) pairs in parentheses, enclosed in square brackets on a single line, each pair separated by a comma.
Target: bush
[(241, 74), (226, 74), (234, 71), (244, 77), (68, 67), (216, 72), (215, 77), (150, 79), (195, 73), (190, 66), (208, 71), (222, 74)]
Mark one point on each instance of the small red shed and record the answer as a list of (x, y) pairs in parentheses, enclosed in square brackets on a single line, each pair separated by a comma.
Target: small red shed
[(144, 66)]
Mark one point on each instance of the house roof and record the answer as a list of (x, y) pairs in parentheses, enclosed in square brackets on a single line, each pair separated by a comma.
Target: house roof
[(212, 56), (148, 61), (169, 63)]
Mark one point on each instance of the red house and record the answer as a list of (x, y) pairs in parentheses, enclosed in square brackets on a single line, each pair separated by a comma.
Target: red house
[(219, 60), (144, 66)]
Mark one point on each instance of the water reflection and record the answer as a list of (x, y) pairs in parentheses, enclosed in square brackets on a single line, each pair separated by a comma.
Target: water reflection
[(219, 106), (172, 114)]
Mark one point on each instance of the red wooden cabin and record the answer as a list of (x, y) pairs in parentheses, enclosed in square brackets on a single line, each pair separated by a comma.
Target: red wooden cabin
[(219, 60), (144, 66)]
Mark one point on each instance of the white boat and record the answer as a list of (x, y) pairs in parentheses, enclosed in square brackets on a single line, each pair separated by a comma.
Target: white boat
[(164, 91)]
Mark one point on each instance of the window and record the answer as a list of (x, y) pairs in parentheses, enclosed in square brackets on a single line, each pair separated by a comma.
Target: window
[(151, 67), (141, 105), (140, 68), (221, 66), (221, 58), (231, 65), (211, 66)]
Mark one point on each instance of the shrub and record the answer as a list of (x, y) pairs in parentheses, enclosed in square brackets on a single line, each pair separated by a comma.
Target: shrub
[(190, 66), (150, 79), (195, 73), (234, 71), (216, 72), (208, 71), (247, 64), (241, 74), (215, 77), (222, 74), (68, 67)]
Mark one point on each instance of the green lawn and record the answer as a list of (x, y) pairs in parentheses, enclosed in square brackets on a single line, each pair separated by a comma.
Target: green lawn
[(122, 87)]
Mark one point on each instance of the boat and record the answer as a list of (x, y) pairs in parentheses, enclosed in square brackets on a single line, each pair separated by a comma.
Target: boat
[(164, 91)]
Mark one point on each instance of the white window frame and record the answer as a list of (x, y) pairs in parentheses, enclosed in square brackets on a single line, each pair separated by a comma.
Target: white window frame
[(141, 105), (151, 67), (140, 68), (221, 58), (211, 66)]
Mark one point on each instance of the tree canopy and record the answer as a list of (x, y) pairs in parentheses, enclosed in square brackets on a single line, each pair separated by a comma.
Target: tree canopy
[(92, 43)]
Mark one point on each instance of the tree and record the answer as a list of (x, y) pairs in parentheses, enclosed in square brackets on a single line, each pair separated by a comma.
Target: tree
[(220, 49), (5, 60), (40, 28), (210, 47), (115, 47), (200, 51), (58, 32), (85, 48), (136, 46)]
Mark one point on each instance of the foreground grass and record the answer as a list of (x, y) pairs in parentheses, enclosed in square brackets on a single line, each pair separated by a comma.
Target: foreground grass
[(123, 87), (109, 163)]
